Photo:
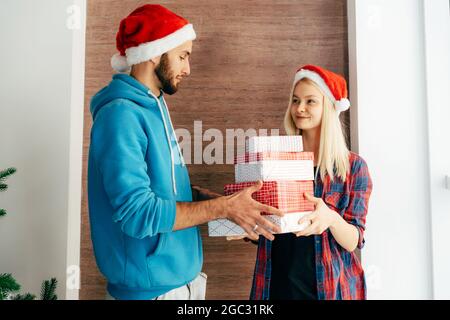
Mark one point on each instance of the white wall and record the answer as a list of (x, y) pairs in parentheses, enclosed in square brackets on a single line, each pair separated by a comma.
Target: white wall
[(398, 128), (437, 54), (41, 113)]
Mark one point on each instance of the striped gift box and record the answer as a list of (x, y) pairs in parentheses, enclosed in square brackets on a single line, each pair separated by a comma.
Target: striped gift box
[(271, 166), (287, 223), (284, 195), (274, 144), (266, 156)]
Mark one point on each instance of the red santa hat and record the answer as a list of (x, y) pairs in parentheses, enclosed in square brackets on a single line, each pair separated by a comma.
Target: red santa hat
[(148, 32), (333, 85)]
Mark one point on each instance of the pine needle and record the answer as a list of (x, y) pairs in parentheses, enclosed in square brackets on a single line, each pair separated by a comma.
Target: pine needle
[(48, 289), (26, 296), (6, 173)]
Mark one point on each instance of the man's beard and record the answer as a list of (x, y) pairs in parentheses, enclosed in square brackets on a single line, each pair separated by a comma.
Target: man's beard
[(165, 76)]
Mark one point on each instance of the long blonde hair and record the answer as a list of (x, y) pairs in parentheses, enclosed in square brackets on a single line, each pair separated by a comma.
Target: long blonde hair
[(333, 152)]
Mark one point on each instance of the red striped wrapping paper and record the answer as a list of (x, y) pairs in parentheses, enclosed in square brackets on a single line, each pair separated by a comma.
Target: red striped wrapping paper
[(262, 156), (284, 195)]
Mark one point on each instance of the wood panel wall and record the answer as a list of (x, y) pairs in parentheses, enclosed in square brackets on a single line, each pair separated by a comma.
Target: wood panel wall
[(242, 67)]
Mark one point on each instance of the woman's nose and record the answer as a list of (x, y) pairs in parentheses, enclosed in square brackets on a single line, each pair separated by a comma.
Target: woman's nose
[(301, 108)]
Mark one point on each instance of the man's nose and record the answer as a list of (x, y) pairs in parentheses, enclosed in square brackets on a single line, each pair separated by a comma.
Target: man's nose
[(187, 69)]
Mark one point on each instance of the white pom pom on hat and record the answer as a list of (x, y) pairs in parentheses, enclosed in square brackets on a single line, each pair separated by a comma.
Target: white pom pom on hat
[(119, 63), (342, 105)]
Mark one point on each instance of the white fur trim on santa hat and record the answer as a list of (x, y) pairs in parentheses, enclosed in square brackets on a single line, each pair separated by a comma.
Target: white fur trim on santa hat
[(339, 106), (152, 49), (119, 63)]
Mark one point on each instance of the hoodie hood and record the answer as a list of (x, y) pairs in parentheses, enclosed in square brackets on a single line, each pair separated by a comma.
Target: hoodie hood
[(122, 86)]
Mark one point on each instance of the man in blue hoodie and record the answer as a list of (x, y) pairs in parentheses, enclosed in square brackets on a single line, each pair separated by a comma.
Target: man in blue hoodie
[(144, 223)]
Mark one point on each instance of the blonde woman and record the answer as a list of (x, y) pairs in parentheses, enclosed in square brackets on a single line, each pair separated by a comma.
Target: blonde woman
[(320, 262)]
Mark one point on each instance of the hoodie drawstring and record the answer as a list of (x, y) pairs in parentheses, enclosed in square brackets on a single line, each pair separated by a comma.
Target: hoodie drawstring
[(175, 136), (174, 185)]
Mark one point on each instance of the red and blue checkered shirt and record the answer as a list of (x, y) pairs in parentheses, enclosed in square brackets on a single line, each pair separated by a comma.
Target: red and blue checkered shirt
[(339, 273)]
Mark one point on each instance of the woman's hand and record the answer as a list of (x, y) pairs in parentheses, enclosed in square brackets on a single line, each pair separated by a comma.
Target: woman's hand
[(321, 218)]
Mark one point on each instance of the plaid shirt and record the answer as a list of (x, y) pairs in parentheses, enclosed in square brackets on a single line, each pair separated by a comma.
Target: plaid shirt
[(339, 273)]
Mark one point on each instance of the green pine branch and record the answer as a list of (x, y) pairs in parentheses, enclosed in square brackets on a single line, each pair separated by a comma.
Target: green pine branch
[(3, 186), (6, 173), (7, 285), (26, 296), (48, 289)]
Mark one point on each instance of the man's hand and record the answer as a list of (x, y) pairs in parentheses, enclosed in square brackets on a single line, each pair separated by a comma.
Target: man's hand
[(240, 208), (243, 210)]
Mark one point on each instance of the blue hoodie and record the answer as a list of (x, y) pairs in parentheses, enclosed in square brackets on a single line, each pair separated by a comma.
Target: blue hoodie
[(136, 174)]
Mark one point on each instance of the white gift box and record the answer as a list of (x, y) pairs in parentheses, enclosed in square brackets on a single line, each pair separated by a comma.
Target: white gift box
[(272, 170), (287, 223), (274, 144)]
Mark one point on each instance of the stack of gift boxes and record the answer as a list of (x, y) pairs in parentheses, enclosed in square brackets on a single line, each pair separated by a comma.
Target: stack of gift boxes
[(286, 171)]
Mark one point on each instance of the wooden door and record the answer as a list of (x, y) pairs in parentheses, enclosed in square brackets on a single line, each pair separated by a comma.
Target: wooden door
[(242, 68)]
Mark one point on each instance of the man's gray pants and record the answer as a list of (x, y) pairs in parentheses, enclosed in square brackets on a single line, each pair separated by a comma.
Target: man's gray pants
[(194, 290)]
